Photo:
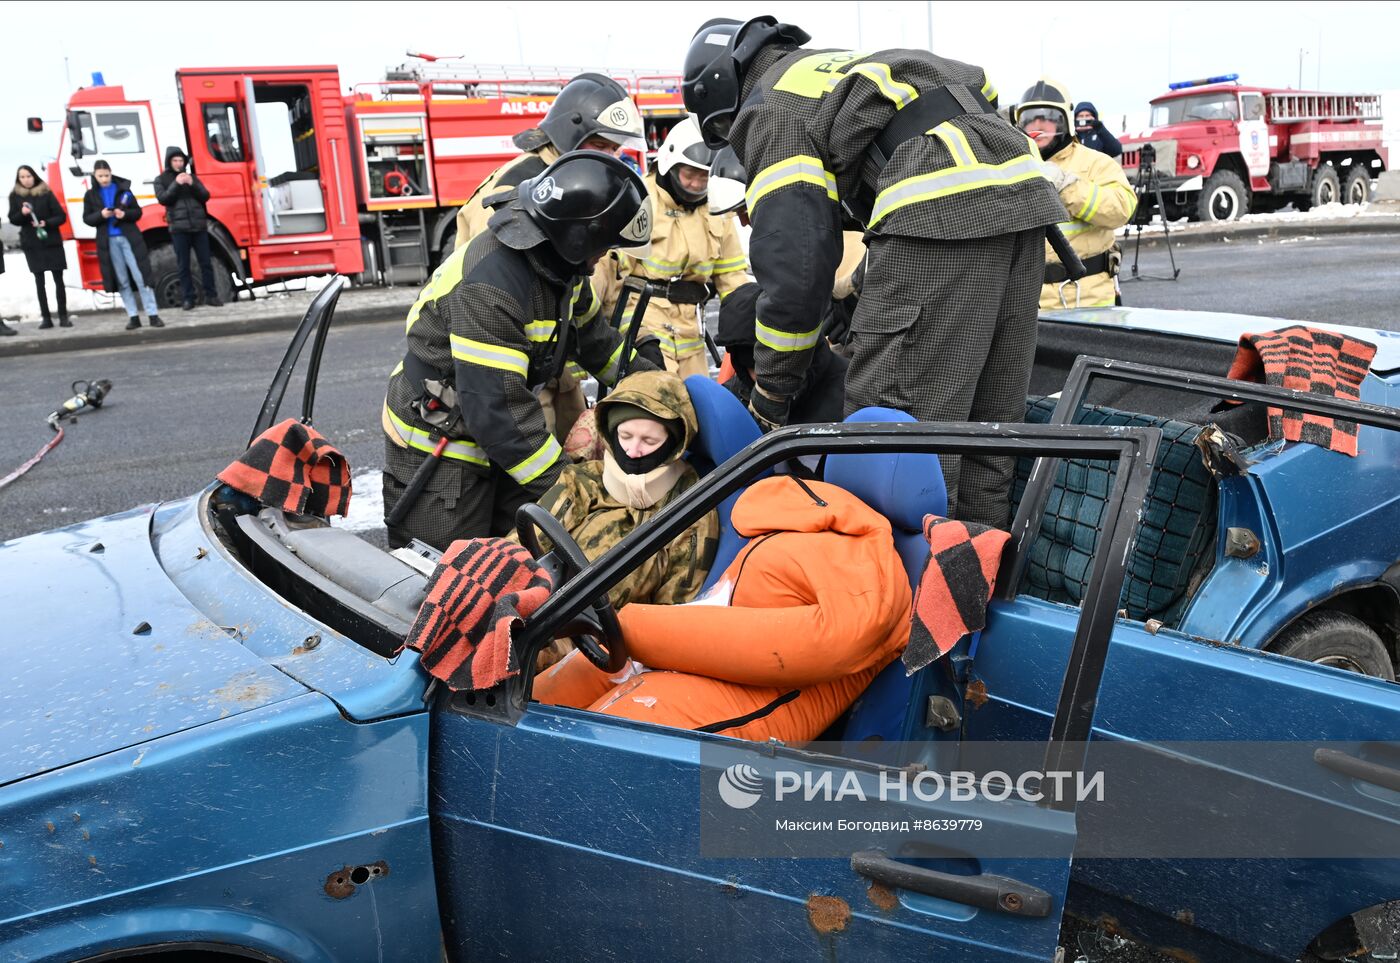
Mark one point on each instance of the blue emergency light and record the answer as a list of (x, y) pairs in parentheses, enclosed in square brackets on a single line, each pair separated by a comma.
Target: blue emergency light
[(1222, 79), (97, 80)]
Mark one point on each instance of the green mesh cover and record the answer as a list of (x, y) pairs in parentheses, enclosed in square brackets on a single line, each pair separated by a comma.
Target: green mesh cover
[(1177, 535)]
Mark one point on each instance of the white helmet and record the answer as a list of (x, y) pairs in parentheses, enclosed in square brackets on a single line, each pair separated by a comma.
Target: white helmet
[(728, 181), (684, 145)]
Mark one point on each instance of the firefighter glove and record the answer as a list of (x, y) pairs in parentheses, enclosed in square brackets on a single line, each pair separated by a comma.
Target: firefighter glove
[(768, 409), (649, 349), (1057, 175)]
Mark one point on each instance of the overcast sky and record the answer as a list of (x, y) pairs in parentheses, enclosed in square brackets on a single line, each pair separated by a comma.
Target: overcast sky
[(1118, 55)]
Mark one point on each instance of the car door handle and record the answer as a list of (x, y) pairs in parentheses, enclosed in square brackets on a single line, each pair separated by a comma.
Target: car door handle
[(985, 891), (1373, 772)]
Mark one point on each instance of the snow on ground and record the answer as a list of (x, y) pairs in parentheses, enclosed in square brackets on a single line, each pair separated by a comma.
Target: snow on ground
[(366, 502), (1323, 212)]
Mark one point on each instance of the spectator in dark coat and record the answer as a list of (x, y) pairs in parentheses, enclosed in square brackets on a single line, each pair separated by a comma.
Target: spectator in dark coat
[(1092, 133), (112, 208), (5, 329), (38, 214), (822, 396), (184, 199)]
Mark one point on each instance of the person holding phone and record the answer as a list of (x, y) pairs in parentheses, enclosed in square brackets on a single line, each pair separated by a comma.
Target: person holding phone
[(112, 208), (38, 214)]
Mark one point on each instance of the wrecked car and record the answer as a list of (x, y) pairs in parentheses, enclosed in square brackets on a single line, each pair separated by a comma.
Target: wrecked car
[(214, 743)]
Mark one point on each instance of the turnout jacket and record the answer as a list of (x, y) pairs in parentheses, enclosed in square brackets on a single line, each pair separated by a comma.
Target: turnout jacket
[(488, 324), (687, 244), (1099, 201), (803, 132)]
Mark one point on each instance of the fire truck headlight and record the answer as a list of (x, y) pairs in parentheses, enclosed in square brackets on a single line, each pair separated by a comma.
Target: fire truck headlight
[(1193, 162)]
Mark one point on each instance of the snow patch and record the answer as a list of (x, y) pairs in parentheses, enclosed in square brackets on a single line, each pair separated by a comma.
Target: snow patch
[(366, 502)]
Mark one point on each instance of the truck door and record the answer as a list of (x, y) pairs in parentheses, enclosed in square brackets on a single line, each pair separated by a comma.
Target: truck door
[(1254, 135), (119, 132), (217, 121), (560, 833)]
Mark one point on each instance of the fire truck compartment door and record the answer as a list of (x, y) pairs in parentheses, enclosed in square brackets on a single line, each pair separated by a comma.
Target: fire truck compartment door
[(259, 164), (1254, 135)]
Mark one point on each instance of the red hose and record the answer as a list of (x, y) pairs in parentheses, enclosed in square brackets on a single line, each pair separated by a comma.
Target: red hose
[(38, 455)]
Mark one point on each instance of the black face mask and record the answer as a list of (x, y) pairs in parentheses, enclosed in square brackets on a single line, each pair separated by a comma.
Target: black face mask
[(671, 186), (646, 463)]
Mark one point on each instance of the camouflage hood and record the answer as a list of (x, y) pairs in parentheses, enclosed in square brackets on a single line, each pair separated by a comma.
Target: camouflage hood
[(659, 393)]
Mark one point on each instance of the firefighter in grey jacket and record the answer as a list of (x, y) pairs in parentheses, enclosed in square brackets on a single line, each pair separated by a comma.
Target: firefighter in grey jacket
[(907, 146), (499, 318)]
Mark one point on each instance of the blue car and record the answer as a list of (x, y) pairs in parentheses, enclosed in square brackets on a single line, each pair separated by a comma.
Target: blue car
[(213, 746)]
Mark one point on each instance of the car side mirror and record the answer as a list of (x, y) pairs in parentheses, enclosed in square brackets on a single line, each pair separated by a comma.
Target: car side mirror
[(75, 135), (35, 125)]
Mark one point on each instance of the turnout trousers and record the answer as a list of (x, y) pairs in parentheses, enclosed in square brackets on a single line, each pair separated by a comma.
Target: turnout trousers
[(946, 331), (460, 500)]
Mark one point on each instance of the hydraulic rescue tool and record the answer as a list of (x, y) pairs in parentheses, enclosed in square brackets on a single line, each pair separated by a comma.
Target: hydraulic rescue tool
[(86, 394)]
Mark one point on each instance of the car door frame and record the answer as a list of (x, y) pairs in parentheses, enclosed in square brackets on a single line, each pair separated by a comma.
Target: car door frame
[(1134, 451)]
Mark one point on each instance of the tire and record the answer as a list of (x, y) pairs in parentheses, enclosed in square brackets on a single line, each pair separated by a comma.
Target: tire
[(1326, 188), (166, 280), (1339, 640), (1356, 189), (1223, 198)]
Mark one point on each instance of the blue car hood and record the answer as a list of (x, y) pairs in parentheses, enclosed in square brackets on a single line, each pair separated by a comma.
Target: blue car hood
[(101, 652)]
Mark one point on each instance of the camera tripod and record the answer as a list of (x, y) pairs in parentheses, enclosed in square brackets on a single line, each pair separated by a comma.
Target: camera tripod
[(1149, 193)]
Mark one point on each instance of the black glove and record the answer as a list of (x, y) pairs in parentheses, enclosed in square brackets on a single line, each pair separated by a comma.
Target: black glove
[(768, 409), (648, 348), (686, 292)]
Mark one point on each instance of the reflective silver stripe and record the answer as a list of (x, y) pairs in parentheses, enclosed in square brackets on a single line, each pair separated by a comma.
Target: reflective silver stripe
[(956, 143), (784, 340), (538, 463), (489, 355), (1091, 206), (901, 93), (926, 187), (541, 330), (803, 169), (609, 373), (731, 264), (427, 441)]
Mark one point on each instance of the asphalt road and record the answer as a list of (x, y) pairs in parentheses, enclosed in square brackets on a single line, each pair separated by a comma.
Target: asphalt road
[(1345, 279), (180, 411)]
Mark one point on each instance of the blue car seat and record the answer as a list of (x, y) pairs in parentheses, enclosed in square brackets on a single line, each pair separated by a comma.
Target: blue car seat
[(726, 428), (904, 488)]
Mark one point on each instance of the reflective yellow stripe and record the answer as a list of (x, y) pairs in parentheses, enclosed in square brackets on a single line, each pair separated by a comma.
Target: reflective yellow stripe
[(900, 93), (1086, 213), (489, 355), (667, 268), (731, 264), (541, 329), (785, 340), (956, 142), (925, 187), (802, 169), (576, 369), (988, 90), (681, 345), (447, 276), (609, 373), (1071, 228), (537, 464), (427, 441)]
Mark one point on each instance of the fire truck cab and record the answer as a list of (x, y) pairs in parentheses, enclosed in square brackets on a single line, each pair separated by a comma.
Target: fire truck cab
[(306, 180), (1223, 150)]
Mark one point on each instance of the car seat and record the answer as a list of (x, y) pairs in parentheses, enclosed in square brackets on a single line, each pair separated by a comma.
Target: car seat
[(725, 429), (904, 488)]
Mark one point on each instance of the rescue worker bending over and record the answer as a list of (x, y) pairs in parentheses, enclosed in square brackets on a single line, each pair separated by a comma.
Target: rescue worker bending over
[(954, 205), (690, 250), (500, 317), (1095, 192), (592, 112), (648, 423)]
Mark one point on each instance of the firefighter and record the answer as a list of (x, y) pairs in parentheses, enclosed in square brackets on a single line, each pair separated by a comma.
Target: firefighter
[(954, 205), (691, 249), (499, 318), (1095, 192), (591, 112)]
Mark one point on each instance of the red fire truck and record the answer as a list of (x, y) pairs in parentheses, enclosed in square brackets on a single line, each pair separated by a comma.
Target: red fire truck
[(304, 179), (1224, 149)]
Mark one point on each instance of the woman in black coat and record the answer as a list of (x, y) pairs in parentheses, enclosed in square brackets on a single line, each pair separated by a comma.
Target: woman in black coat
[(37, 213)]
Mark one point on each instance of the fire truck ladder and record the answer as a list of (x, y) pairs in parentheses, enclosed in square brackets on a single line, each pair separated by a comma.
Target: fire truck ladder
[(515, 80), (1292, 107)]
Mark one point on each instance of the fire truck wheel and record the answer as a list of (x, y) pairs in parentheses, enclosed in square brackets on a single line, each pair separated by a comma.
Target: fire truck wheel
[(1326, 189), (166, 276), (1223, 198), (1357, 189)]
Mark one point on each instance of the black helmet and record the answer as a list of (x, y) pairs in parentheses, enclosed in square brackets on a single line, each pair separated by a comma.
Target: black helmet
[(1048, 100), (720, 55), (592, 105), (583, 204), (728, 180)]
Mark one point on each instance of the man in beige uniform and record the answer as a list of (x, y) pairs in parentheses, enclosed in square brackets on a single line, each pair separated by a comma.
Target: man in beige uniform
[(691, 249), (591, 112)]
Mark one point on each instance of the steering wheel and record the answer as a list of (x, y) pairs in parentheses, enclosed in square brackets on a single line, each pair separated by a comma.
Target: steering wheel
[(596, 633)]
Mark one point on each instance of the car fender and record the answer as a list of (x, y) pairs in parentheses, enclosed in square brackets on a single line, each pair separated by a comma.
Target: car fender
[(102, 936)]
